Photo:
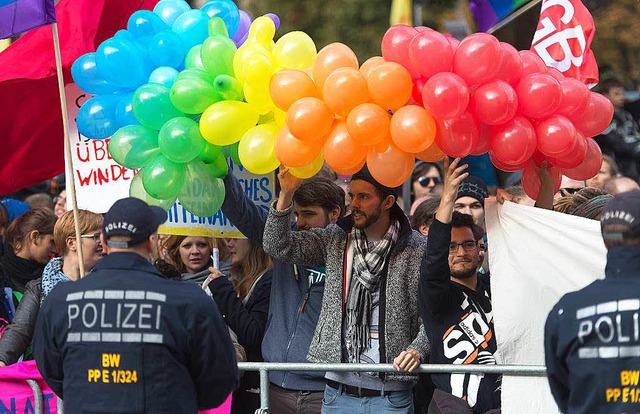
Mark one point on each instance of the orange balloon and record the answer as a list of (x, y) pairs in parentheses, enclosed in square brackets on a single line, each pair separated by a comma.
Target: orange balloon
[(390, 85), (382, 145), (370, 64), (330, 58), (309, 119), (293, 152), (351, 171), (413, 129), (344, 89), (341, 151), (368, 124), (289, 85), (392, 167), (431, 154)]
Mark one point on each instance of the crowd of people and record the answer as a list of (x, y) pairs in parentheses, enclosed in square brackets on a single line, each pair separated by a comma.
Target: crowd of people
[(334, 272)]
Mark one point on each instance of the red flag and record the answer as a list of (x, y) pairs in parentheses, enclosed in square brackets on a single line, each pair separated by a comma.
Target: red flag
[(563, 39), (31, 136)]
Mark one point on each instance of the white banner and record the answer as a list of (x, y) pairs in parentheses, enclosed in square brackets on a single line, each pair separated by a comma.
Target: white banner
[(535, 257)]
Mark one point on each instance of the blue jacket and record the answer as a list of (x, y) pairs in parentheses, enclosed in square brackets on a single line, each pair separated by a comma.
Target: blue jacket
[(592, 341), (294, 305), (125, 340)]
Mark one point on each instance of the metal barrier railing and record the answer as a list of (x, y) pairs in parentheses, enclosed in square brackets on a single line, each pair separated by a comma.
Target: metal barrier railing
[(264, 367)]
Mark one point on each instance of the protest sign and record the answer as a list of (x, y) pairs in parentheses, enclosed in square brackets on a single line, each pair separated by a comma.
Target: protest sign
[(16, 396), (535, 257)]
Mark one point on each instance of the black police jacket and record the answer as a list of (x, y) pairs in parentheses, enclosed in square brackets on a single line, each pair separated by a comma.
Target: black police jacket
[(592, 341), (125, 340)]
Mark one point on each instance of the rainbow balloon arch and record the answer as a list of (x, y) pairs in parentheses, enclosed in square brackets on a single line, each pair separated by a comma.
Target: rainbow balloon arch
[(182, 89)]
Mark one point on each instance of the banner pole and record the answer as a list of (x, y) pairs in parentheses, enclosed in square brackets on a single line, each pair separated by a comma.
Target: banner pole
[(67, 146)]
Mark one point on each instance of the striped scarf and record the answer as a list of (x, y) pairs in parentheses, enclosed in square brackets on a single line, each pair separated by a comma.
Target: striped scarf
[(368, 266)]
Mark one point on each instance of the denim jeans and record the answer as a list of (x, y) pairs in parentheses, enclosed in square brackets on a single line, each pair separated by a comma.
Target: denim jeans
[(337, 402)]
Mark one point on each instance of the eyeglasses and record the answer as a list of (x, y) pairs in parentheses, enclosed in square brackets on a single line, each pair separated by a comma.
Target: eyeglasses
[(467, 245), (95, 237), (424, 180)]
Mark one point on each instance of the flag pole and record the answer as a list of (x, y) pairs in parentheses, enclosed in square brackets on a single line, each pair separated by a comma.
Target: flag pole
[(67, 146)]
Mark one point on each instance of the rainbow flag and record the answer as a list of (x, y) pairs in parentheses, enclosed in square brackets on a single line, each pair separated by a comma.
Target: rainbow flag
[(489, 12), (17, 16)]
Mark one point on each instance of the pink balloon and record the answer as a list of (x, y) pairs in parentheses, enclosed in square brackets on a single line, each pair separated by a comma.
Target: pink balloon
[(531, 63), (555, 73), (596, 118), (452, 41), (591, 164), (511, 69), (430, 53), (575, 98), (418, 87), (483, 144), (504, 166), (514, 142), (531, 182), (539, 95), (494, 103), (457, 137), (574, 157), (556, 136), (477, 58), (395, 46), (423, 29), (445, 95)]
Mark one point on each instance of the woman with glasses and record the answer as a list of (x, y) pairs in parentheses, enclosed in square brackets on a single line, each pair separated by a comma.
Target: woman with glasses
[(15, 341), (426, 180)]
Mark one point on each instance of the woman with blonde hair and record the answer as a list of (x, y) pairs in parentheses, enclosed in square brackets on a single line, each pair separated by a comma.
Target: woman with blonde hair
[(18, 335)]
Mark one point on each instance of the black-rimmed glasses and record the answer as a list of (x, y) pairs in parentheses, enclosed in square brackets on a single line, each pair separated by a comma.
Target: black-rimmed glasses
[(467, 245)]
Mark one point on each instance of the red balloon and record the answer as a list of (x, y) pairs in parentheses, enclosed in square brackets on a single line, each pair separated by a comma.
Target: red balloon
[(494, 103), (511, 69), (395, 46), (514, 142), (575, 97), (418, 87), (539, 95), (531, 182), (477, 58), (555, 73), (430, 53), (591, 164), (483, 144), (596, 118), (503, 166), (531, 63), (445, 95), (556, 136), (423, 29), (453, 42), (457, 137), (574, 157)]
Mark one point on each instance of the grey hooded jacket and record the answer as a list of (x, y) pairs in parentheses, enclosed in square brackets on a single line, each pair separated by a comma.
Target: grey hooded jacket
[(400, 328)]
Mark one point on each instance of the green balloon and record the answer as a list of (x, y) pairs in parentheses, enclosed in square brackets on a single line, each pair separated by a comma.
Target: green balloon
[(217, 55), (194, 74), (202, 194), (163, 179), (180, 140), (133, 146), (137, 190), (193, 96), (193, 59), (214, 160), (217, 27), (228, 87), (231, 151), (152, 105)]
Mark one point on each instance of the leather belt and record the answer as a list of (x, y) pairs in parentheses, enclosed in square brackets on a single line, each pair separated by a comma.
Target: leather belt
[(356, 391)]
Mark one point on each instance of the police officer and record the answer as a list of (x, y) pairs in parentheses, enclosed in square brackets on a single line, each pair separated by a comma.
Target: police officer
[(124, 339), (592, 336)]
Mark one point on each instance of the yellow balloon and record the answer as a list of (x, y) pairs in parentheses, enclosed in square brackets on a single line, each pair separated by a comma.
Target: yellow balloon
[(259, 97), (258, 69), (257, 149), (309, 170), (245, 53), (225, 122), (280, 117), (262, 31), (295, 50)]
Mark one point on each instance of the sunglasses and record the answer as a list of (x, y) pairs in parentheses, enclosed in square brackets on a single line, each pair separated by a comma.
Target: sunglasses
[(424, 180)]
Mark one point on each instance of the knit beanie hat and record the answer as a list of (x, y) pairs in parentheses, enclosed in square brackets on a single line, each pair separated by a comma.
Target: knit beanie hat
[(473, 187)]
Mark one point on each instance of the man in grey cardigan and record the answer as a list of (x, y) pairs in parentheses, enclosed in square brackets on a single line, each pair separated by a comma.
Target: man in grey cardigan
[(369, 310)]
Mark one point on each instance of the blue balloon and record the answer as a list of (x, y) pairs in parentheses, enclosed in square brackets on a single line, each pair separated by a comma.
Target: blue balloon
[(124, 112), (85, 74), (226, 10), (97, 117), (164, 75), (144, 24), (166, 49), (169, 10), (192, 27), (123, 63)]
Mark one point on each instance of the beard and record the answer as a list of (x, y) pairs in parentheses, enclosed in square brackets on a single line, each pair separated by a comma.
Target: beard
[(368, 219), (464, 273)]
